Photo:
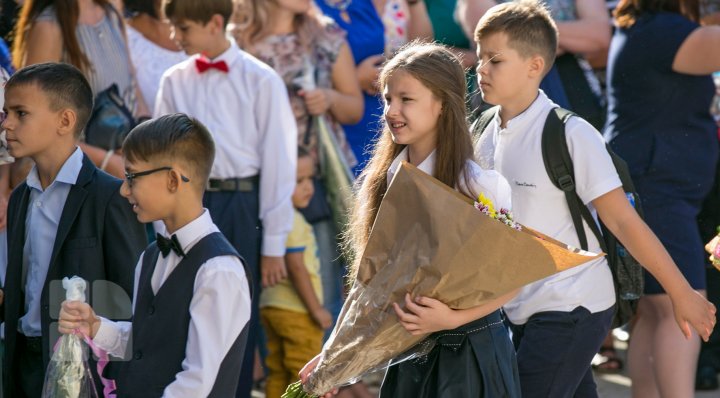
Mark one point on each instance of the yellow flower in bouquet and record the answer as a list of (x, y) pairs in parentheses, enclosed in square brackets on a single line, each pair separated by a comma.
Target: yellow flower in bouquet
[(503, 215), (486, 205)]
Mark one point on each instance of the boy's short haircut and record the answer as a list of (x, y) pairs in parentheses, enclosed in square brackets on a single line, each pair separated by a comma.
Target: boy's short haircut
[(528, 25), (64, 85), (173, 138), (197, 10)]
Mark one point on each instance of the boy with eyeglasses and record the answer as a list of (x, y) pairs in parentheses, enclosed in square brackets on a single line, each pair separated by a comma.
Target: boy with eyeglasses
[(244, 104), (191, 306), (66, 219)]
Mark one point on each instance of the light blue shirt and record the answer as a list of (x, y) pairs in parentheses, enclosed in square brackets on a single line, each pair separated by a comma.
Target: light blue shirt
[(41, 224)]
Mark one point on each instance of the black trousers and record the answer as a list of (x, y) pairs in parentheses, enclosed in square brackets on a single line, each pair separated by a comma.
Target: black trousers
[(236, 214), (29, 364), (554, 351)]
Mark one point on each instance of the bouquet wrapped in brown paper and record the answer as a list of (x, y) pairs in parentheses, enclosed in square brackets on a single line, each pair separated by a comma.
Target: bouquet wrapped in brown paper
[(428, 240)]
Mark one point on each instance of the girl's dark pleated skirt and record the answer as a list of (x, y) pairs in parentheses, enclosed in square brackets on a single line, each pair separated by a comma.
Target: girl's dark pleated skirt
[(474, 360)]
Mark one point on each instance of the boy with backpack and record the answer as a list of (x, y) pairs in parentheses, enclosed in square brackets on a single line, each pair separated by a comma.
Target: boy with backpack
[(559, 323)]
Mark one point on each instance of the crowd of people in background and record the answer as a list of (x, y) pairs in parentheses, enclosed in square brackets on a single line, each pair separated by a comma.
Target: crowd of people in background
[(274, 73)]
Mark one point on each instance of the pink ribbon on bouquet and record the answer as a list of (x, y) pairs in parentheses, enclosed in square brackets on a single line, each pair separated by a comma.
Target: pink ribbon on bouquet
[(102, 361)]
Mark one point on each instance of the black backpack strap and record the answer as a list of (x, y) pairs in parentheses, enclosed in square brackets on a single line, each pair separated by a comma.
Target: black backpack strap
[(560, 169), (481, 123)]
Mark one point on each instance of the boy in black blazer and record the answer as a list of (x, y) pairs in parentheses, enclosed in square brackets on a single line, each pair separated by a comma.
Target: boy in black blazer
[(66, 219)]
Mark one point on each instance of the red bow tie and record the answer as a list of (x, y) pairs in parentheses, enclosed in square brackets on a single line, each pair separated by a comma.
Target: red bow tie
[(203, 64)]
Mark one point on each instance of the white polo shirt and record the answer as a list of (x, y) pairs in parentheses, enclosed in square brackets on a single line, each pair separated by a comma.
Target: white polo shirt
[(473, 181), (515, 152)]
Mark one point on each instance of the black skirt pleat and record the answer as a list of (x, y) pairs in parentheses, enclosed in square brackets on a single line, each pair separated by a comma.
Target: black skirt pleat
[(472, 361)]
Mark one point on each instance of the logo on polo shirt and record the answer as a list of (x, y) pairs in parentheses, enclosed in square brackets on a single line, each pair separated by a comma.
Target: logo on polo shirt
[(524, 184)]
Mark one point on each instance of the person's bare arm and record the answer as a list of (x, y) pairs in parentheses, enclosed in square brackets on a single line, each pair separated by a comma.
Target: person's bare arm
[(420, 26), (469, 12), (690, 307), (589, 33), (367, 72), (424, 315), (44, 43), (700, 52), (300, 278), (347, 103)]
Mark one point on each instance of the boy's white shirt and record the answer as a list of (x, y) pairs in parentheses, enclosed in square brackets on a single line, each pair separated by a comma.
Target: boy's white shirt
[(219, 310), (488, 182), (516, 153), (248, 113)]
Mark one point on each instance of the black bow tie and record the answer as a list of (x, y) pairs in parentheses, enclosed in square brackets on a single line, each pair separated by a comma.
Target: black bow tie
[(165, 245)]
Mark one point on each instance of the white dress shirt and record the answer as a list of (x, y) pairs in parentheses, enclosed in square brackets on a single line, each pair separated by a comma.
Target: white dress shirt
[(515, 151), (219, 310), (248, 112)]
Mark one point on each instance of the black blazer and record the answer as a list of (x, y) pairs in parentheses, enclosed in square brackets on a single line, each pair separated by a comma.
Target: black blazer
[(98, 239)]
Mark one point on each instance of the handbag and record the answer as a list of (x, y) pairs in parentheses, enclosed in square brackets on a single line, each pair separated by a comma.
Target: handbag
[(111, 120)]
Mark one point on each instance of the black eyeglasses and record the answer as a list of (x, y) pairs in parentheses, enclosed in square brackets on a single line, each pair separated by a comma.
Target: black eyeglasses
[(129, 177)]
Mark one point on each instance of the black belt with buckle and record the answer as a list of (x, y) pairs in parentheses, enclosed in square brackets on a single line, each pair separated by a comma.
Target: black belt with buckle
[(32, 344), (247, 184)]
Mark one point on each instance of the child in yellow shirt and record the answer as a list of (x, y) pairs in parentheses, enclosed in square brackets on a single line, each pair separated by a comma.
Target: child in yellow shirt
[(292, 311)]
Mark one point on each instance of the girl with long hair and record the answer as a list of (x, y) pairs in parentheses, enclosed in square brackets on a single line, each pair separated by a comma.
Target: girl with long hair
[(89, 34), (425, 124)]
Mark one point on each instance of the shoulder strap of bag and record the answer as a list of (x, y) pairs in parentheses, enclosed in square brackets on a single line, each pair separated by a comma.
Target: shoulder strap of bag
[(481, 123), (560, 169)]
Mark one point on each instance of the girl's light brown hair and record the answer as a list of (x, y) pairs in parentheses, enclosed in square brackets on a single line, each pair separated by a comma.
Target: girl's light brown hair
[(251, 22), (627, 11), (67, 13), (438, 69)]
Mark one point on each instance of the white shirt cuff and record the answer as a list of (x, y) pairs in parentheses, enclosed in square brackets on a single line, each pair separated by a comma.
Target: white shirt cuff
[(274, 245), (107, 335)]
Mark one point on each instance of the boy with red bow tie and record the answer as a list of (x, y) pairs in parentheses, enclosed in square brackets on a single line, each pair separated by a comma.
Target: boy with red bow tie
[(245, 105)]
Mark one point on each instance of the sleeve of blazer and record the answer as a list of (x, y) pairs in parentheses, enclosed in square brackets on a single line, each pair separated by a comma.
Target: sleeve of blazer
[(11, 211), (124, 239)]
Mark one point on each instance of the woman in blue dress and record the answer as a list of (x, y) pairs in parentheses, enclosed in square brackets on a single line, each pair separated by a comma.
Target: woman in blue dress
[(366, 37), (659, 95)]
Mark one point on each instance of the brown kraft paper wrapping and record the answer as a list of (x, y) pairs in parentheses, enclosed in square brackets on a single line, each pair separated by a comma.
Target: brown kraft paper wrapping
[(428, 240)]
